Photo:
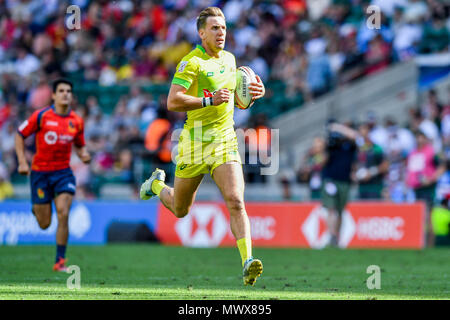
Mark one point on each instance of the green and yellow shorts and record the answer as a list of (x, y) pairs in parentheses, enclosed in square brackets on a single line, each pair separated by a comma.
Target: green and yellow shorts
[(198, 157)]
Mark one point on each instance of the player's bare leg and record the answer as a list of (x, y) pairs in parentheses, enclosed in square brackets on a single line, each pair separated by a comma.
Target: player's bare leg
[(178, 199), (334, 225), (230, 180), (43, 214), (63, 203)]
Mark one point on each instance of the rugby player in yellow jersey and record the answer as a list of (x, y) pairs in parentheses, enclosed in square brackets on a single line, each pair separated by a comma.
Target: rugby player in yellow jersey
[(203, 86)]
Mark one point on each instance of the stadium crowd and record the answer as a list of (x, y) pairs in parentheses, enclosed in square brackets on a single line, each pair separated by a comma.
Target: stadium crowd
[(311, 46), (388, 149)]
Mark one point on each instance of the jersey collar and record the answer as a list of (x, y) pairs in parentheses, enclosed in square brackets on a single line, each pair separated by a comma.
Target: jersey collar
[(200, 47), (61, 115)]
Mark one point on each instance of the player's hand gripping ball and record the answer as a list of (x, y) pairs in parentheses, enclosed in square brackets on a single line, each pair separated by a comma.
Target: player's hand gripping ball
[(242, 95)]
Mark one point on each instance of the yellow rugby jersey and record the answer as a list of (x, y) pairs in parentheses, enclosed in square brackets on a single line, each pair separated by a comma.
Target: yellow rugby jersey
[(202, 75)]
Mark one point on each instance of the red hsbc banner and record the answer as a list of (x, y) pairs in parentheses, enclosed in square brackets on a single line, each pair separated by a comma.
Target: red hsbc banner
[(364, 225)]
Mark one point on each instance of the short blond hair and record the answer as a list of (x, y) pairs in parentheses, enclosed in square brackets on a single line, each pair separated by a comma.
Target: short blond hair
[(208, 12)]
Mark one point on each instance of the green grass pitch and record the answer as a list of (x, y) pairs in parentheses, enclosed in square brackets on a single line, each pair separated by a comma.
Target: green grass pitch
[(151, 271)]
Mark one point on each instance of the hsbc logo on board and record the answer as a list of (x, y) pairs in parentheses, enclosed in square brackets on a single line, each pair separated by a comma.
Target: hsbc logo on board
[(204, 226), (367, 229), (315, 229)]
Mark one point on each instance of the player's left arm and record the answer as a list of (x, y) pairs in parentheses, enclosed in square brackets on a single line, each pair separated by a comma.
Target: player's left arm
[(257, 89), (80, 144), (83, 154)]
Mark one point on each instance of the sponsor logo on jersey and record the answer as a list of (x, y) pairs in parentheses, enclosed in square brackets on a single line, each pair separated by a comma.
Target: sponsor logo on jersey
[(51, 137), (222, 70), (210, 74), (65, 138), (207, 93), (51, 123)]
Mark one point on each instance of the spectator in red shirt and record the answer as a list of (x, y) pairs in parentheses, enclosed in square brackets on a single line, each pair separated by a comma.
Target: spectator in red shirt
[(378, 56)]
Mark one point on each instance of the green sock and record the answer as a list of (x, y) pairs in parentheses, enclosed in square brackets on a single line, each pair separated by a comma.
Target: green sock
[(157, 186), (245, 248)]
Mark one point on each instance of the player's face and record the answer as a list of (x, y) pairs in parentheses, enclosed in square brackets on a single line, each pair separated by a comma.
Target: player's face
[(63, 94), (214, 33)]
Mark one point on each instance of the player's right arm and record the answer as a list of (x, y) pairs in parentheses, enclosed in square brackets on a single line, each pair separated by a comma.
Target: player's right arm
[(179, 101), (27, 128), (23, 167), (187, 73)]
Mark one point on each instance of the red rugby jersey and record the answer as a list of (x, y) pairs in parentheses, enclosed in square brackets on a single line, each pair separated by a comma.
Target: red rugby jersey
[(54, 137)]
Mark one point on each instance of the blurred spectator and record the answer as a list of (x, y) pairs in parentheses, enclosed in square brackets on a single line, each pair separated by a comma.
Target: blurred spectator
[(336, 174), (26, 63), (143, 65), (158, 141), (83, 177), (428, 127), (445, 128), (400, 142), (319, 77), (97, 124), (5, 111), (433, 108), (436, 36), (135, 101), (257, 149), (6, 188), (7, 147), (365, 35), (378, 55), (311, 169), (388, 6), (440, 220), (371, 166), (123, 166), (408, 34), (424, 168), (378, 134), (256, 63), (353, 67), (443, 184), (41, 95), (290, 65)]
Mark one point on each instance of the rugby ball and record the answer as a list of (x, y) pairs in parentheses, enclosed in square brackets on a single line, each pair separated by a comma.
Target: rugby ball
[(242, 96)]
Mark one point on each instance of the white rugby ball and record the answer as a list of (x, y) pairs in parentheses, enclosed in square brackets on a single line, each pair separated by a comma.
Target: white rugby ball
[(242, 97)]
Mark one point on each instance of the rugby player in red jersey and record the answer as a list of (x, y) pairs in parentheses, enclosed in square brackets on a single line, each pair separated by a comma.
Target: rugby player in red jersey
[(56, 128)]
